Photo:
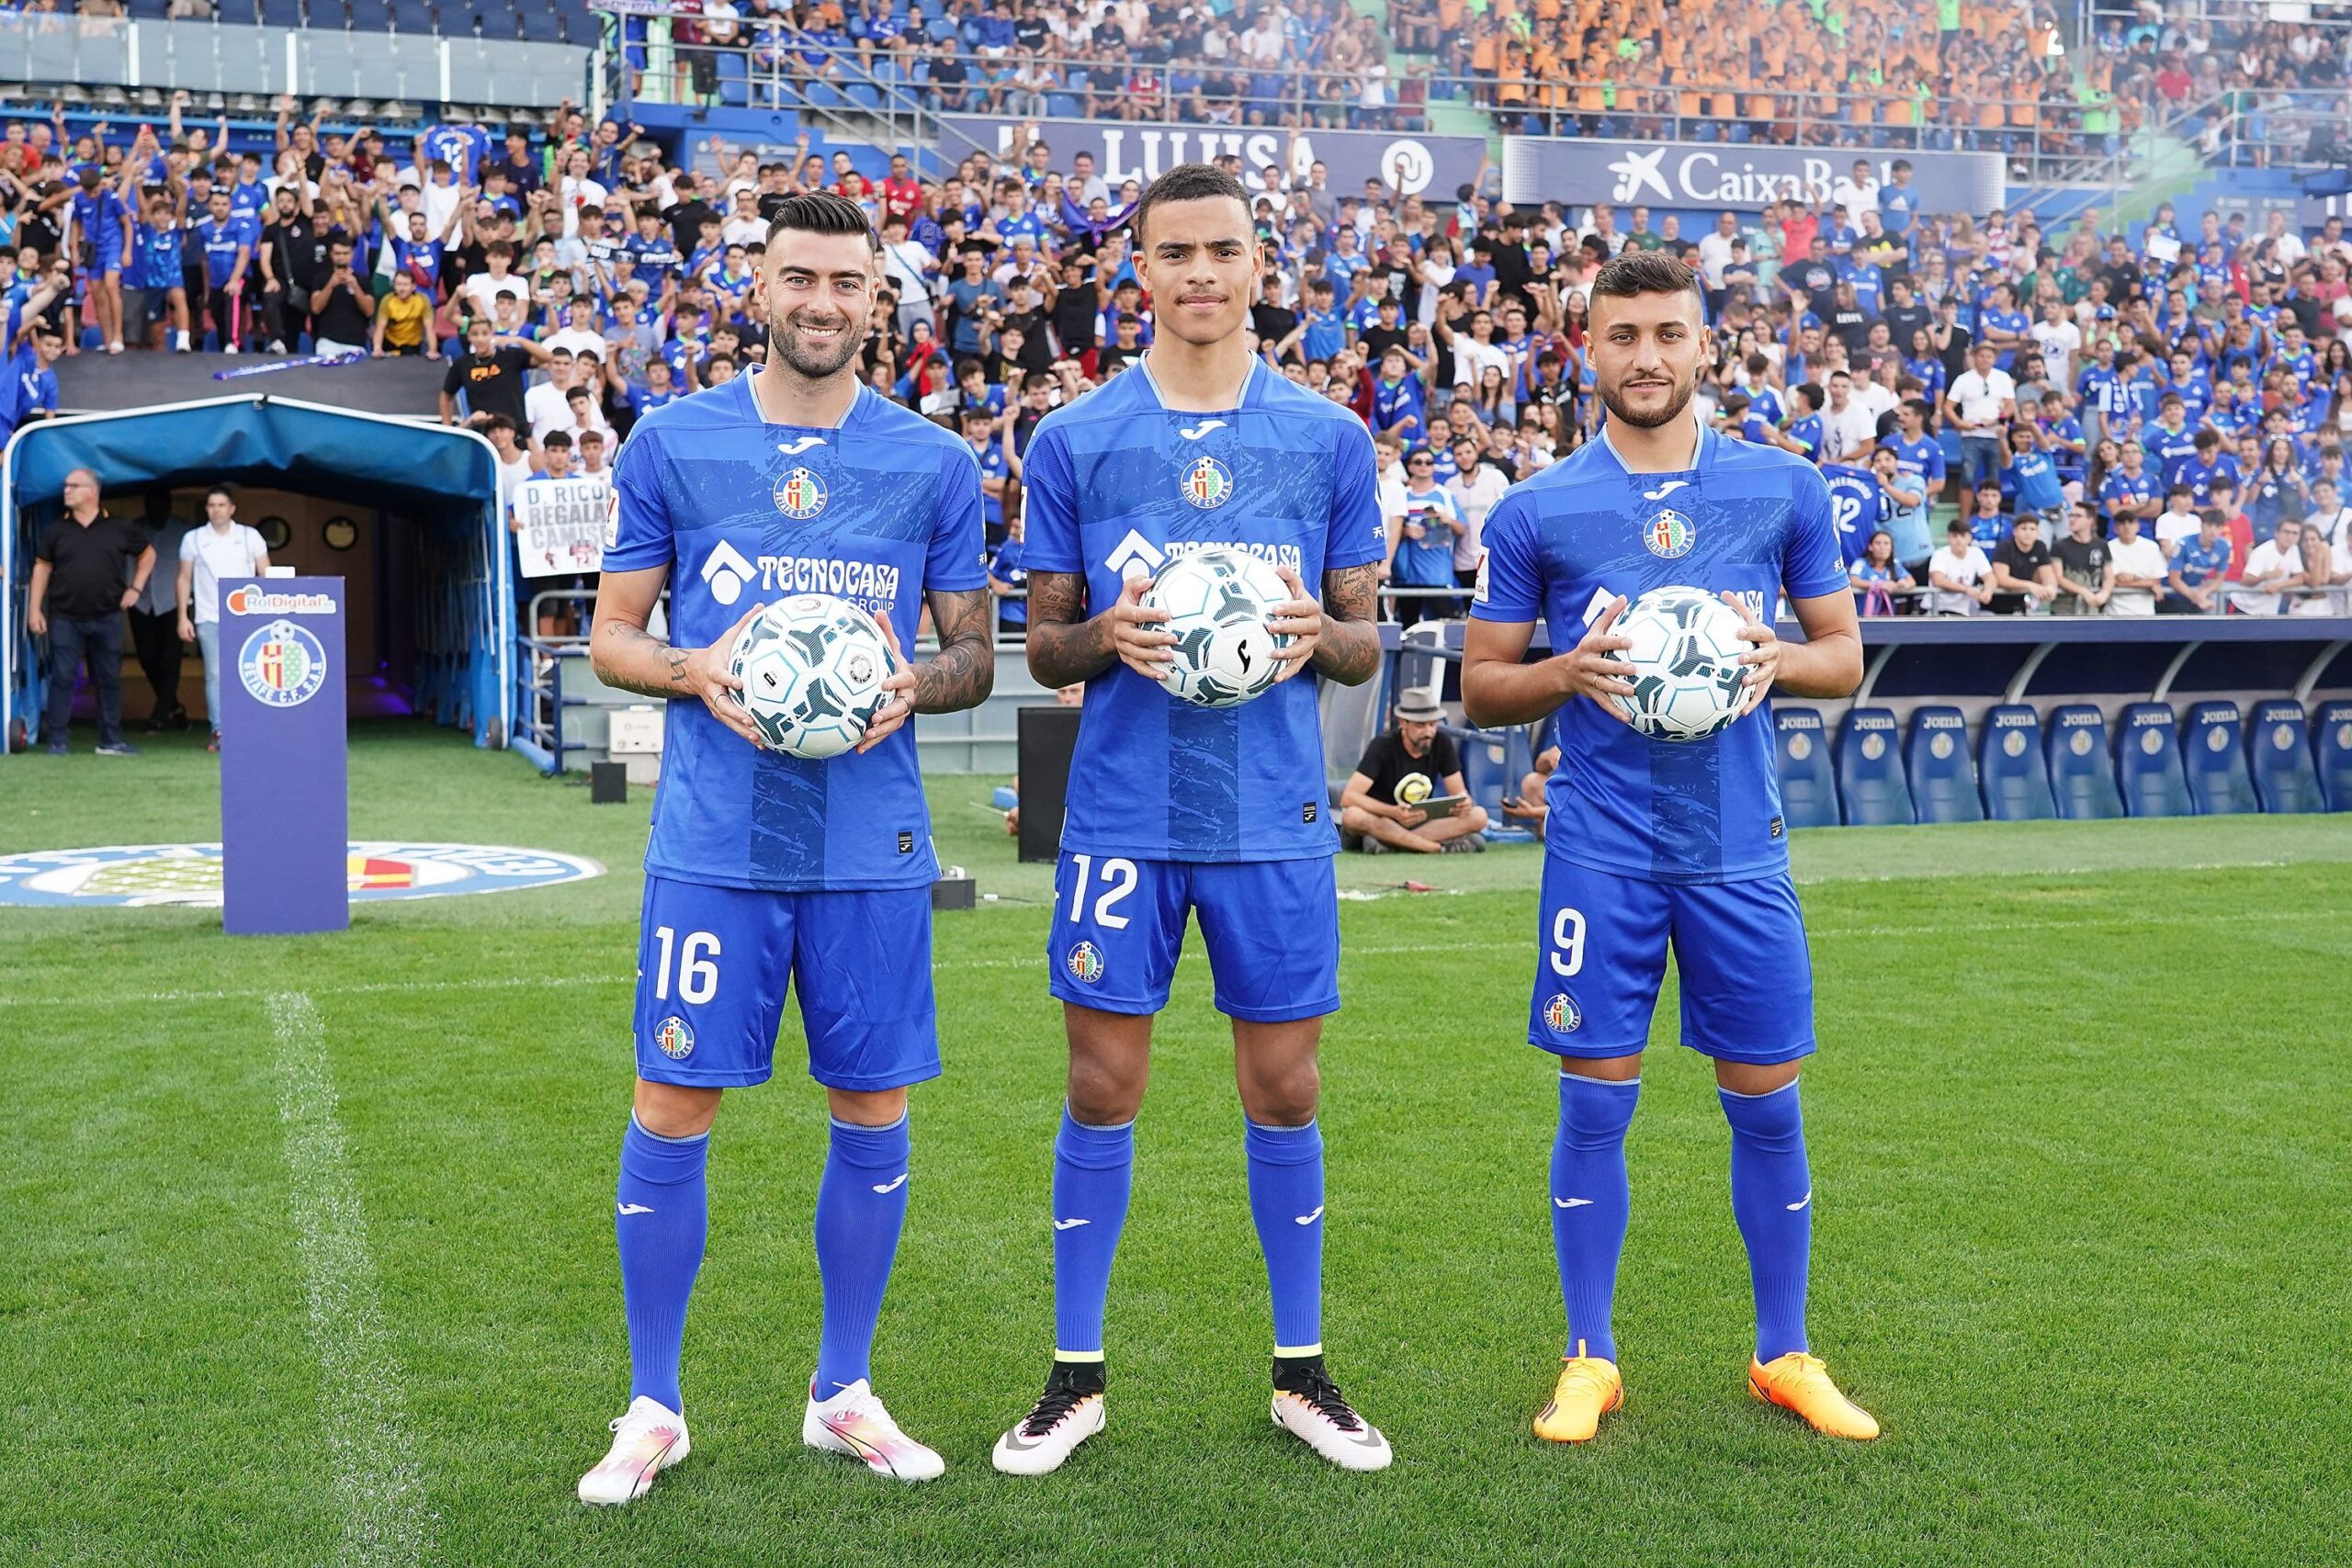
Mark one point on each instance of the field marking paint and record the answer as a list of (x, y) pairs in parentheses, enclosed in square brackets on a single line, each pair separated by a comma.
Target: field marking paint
[(552, 982), (361, 1407)]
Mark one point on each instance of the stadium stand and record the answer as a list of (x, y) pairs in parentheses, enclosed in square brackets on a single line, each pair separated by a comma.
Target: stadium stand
[(714, 110)]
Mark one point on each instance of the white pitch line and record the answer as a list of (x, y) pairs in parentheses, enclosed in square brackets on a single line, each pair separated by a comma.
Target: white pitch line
[(377, 1481)]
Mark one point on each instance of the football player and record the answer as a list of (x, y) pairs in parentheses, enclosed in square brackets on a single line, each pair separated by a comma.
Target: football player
[(1176, 810), (762, 867), (1652, 842)]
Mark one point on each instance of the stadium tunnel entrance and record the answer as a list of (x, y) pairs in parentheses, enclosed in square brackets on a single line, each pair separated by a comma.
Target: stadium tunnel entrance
[(406, 512)]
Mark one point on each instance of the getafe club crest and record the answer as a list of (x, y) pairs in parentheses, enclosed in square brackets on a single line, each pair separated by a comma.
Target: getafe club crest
[(674, 1037), (1086, 962), (800, 494), (1208, 484), (1560, 1014), (1669, 534)]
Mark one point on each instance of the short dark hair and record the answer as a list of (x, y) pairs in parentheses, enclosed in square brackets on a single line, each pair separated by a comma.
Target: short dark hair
[(557, 438), (1634, 271), (822, 212), (226, 492), (1189, 182)]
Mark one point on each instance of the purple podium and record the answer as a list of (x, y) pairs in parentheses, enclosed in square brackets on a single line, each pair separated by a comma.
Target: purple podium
[(285, 809)]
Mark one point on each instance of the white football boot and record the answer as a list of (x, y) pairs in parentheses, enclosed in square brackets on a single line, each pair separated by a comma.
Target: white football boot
[(1318, 1414), (1063, 1416), (647, 1440), (853, 1422)]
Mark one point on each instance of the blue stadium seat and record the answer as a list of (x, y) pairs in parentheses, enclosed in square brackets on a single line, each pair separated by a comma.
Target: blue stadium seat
[(538, 24), (2279, 755), (2147, 762), (1486, 768), (1870, 770), (2332, 749), (822, 96), (2082, 774), (1943, 775), (2215, 760), (367, 16), (1062, 105), (1808, 785), (281, 13), (865, 95), (2008, 758), (412, 16), (734, 88)]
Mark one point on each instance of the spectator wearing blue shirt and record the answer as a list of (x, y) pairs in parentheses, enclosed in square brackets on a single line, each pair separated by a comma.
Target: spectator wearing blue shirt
[(2277, 492), (1981, 514), (2031, 478), (2169, 445), (1804, 434), (1919, 460), (2003, 326), (2062, 436), (1896, 200), (979, 430), (2207, 465), (1323, 330), (2199, 568), (1398, 403), (227, 242), (2130, 486), (1009, 581), (1420, 539)]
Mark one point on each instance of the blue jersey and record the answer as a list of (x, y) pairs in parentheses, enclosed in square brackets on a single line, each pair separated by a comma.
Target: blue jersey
[(1561, 543), (1117, 482), (2123, 489), (221, 241), (2199, 563), (155, 256), (462, 147), (2032, 479), (1858, 505), (1805, 431), (97, 219), (878, 511)]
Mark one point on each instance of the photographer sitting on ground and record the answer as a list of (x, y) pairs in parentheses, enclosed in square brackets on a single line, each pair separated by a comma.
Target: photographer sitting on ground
[(1400, 770)]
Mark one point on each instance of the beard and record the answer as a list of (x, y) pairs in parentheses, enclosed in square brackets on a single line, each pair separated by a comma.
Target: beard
[(1614, 400), (816, 361)]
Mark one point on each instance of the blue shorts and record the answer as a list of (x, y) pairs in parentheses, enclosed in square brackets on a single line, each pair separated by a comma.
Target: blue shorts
[(1739, 953), (1271, 927), (106, 256), (713, 963)]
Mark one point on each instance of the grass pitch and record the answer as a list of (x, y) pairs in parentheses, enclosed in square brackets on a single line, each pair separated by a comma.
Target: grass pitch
[(310, 1251)]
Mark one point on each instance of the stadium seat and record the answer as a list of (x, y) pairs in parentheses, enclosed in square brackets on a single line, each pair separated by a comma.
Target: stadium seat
[(1062, 105), (2147, 762), (1487, 767), (369, 16), (865, 95), (281, 13), (1870, 770), (2215, 760), (1943, 775), (2332, 750), (536, 24), (2008, 760), (2082, 774), (1808, 785), (2279, 755)]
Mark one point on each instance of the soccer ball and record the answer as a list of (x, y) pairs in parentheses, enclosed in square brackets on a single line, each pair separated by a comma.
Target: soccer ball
[(1218, 600), (1684, 663), (812, 668)]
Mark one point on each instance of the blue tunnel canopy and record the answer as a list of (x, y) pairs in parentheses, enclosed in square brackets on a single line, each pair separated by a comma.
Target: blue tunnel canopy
[(444, 477)]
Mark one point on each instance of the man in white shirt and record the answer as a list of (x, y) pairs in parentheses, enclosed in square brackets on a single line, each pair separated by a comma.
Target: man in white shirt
[(2136, 569), (580, 332), (2285, 243), (548, 405), (2328, 547), (1474, 350), (1715, 250), (2059, 339), (1957, 574), (483, 289), (222, 548), (1476, 486), (2275, 564), (1981, 404), (2177, 522), (1856, 192), (1849, 428)]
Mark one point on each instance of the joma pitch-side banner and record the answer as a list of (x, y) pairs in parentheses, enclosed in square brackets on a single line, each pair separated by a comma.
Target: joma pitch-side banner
[(1127, 150), (1577, 171)]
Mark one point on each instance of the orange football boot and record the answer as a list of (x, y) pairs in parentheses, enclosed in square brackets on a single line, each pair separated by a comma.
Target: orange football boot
[(1799, 1382), (1589, 1389)]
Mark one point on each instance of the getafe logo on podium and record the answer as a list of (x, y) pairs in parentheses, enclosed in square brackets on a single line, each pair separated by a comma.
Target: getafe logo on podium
[(282, 665)]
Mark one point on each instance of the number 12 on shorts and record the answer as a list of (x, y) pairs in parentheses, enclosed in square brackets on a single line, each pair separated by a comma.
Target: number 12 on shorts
[(1118, 880), (697, 960)]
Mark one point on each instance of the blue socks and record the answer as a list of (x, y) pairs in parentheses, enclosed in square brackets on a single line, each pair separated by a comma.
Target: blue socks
[(661, 1216), (1771, 1196), (1093, 1172), (861, 1208), (1286, 1201), (1591, 1202)]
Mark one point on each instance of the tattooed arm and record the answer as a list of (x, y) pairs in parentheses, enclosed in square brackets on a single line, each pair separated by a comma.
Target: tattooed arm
[(1065, 647), (964, 671), (1349, 650), (628, 657)]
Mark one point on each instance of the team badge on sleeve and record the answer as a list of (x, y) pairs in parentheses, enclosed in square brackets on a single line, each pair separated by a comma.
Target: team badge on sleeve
[(1208, 484), (1478, 592), (612, 520), (1668, 534), (800, 494)]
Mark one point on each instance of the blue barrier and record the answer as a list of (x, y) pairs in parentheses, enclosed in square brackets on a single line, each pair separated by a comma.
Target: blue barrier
[(2082, 774), (2279, 755), (1808, 786), (2212, 757), (2332, 750), (1943, 775), (2009, 756), (1870, 770), (2147, 762)]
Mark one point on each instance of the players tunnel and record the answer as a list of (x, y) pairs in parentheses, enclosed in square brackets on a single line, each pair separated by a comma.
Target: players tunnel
[(405, 512)]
